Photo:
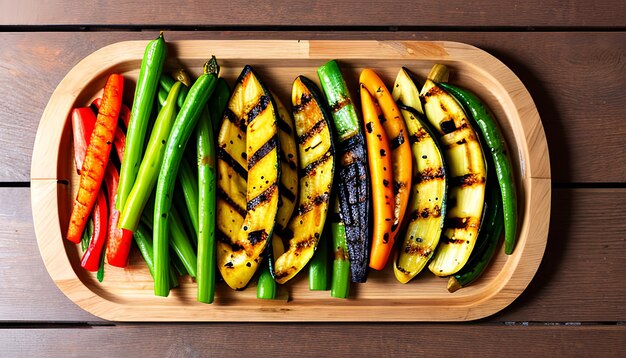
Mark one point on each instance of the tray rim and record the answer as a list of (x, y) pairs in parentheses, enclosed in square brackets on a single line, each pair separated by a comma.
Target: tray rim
[(45, 183)]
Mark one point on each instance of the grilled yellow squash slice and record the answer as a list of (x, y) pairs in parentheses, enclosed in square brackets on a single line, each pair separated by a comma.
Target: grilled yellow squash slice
[(427, 206), (317, 164), (467, 175), (288, 188), (248, 179)]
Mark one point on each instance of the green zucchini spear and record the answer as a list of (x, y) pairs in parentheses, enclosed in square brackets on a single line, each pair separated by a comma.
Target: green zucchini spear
[(353, 189)]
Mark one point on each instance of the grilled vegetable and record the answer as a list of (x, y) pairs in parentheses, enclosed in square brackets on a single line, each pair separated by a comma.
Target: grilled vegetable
[(218, 102), (467, 175), (147, 86), (182, 129), (266, 286), (489, 234), (96, 157), (340, 282), (206, 213), (248, 178), (188, 180), (91, 257), (288, 188), (318, 266), (400, 152), (379, 158), (492, 137), (316, 162), (427, 207), (144, 243), (353, 188)]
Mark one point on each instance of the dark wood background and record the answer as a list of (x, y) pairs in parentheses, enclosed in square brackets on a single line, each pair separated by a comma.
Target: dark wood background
[(570, 54)]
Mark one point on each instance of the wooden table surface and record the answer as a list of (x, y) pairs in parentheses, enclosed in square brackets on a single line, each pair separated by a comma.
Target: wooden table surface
[(571, 55)]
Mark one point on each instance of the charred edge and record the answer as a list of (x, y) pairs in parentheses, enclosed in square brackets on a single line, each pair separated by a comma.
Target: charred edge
[(288, 194), (398, 186), (262, 152), (419, 136), (397, 141), (305, 99), (258, 236), (284, 126), (247, 71), (262, 198), (433, 92), (286, 234), (317, 127), (459, 223), (447, 126), (310, 169), (221, 194), (435, 212), (415, 249), (308, 242), (258, 108), (232, 117), (223, 237), (428, 174), (223, 155), (468, 180), (446, 240), (340, 104), (341, 254), (316, 201)]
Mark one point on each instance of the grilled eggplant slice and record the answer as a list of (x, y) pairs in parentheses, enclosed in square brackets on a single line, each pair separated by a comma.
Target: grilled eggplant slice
[(427, 208), (467, 175), (353, 186), (317, 163), (248, 179)]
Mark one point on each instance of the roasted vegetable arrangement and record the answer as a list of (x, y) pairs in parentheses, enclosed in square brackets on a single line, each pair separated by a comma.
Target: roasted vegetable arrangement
[(243, 187)]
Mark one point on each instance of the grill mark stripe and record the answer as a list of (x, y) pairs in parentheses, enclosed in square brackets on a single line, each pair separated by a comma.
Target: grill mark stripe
[(467, 180), (428, 174), (258, 108), (222, 236), (262, 198), (305, 99), (288, 194), (397, 141), (340, 104), (316, 201), (313, 165), (284, 126), (223, 155), (459, 223), (315, 129), (222, 195), (262, 152)]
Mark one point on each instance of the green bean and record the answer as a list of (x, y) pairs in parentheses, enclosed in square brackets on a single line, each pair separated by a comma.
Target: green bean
[(266, 286)]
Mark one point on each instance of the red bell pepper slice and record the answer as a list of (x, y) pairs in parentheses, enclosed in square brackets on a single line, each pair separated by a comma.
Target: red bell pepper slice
[(119, 240), (83, 121), (91, 257)]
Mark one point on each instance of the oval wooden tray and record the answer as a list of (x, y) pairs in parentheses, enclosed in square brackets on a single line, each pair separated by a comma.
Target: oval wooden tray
[(127, 294)]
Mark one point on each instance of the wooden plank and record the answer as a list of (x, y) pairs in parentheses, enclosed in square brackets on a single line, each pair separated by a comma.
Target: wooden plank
[(336, 340), (531, 13), (575, 79), (580, 279)]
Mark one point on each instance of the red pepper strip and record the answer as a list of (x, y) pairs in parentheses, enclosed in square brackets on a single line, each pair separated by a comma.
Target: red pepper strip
[(119, 240), (83, 121), (96, 157), (124, 111), (91, 258)]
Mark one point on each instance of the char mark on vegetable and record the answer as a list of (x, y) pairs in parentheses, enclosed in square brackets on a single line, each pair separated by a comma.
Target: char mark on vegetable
[(434, 212), (312, 203), (397, 141), (446, 240), (460, 223), (310, 169), (258, 108), (283, 125), (224, 156), (262, 152), (417, 137), (305, 99), (257, 236), (222, 195), (288, 194), (315, 129), (429, 174), (414, 249), (262, 198), (468, 180), (335, 107)]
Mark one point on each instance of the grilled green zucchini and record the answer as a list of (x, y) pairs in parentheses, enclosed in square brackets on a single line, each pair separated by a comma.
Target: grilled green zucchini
[(248, 179), (427, 208), (317, 164), (467, 175)]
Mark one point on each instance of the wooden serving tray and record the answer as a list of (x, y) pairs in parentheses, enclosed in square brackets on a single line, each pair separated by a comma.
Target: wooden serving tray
[(127, 294)]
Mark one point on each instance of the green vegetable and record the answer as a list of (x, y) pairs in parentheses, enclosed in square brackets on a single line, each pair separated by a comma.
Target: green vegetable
[(266, 286), (181, 245), (318, 272), (144, 243), (149, 74), (218, 103), (207, 206), (162, 96), (182, 130), (150, 165), (189, 184), (100, 274), (353, 187), (492, 136), (340, 283), (87, 234), (166, 81)]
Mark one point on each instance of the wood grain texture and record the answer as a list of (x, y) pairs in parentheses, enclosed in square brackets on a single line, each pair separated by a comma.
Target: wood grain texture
[(297, 340), (580, 104), (519, 13), (580, 278)]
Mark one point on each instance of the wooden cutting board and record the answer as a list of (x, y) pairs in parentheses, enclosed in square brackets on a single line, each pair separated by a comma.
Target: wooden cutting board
[(127, 294)]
